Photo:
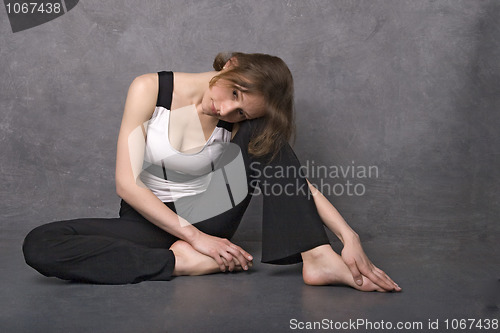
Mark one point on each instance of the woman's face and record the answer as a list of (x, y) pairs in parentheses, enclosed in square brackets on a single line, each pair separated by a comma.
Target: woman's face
[(232, 105)]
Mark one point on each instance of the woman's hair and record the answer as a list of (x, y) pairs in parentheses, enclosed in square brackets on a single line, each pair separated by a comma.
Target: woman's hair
[(268, 76)]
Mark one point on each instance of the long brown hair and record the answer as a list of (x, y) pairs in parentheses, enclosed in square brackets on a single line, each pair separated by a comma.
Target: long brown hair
[(269, 76)]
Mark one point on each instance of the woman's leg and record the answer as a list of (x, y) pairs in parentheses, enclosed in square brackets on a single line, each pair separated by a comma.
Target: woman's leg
[(290, 222), (121, 250), (292, 228)]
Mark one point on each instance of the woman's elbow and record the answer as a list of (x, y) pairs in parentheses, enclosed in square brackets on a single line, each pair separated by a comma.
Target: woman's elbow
[(122, 189)]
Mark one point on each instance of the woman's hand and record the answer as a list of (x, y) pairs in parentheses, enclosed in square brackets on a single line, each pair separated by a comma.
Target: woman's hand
[(355, 258), (222, 251)]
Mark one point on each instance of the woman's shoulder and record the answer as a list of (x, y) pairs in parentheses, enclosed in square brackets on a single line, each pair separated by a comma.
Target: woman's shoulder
[(144, 86), (147, 80)]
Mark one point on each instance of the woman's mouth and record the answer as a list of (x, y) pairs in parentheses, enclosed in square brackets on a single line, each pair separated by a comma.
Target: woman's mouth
[(214, 111)]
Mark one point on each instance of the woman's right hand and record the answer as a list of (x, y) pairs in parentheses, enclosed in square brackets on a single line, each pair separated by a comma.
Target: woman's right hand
[(222, 251)]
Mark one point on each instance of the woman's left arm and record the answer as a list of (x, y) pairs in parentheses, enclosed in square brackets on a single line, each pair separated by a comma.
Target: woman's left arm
[(353, 254)]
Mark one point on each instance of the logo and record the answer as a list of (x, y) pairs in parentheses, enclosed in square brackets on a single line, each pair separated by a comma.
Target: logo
[(28, 14)]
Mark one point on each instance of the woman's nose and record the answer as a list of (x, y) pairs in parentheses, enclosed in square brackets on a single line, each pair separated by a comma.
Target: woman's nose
[(226, 108)]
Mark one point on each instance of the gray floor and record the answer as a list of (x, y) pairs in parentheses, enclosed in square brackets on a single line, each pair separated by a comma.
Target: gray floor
[(442, 279)]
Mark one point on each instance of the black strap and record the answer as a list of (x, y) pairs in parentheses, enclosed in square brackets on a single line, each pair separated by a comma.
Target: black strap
[(165, 89)]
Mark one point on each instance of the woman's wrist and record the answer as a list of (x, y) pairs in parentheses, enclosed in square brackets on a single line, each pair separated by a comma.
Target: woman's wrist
[(349, 237), (191, 233)]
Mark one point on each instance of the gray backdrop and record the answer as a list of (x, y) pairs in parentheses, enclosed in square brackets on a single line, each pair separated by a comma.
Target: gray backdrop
[(411, 87)]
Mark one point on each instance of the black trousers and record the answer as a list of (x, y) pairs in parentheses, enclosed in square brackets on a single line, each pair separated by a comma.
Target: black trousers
[(130, 249)]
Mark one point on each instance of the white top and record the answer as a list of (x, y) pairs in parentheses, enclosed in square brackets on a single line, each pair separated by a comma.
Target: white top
[(171, 174)]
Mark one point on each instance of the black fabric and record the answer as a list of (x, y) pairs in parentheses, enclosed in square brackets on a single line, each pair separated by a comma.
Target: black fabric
[(128, 249), (224, 124), (165, 89), (290, 223)]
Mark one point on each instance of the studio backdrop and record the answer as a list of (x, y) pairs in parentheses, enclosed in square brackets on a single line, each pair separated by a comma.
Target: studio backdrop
[(396, 104)]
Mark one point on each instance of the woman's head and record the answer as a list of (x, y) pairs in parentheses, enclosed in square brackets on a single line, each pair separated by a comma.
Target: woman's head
[(267, 83)]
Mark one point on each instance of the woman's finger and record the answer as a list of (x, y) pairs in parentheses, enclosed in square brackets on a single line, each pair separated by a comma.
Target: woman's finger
[(229, 260), (387, 277), (356, 274), (243, 256), (220, 262), (240, 257), (379, 280), (247, 255)]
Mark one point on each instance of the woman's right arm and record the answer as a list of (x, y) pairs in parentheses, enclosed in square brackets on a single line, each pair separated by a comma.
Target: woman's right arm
[(139, 106)]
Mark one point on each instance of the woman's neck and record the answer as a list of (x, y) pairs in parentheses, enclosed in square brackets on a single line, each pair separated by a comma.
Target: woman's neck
[(190, 87)]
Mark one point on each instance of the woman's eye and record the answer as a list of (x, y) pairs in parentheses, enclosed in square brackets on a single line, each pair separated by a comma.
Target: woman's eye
[(241, 113), (235, 93)]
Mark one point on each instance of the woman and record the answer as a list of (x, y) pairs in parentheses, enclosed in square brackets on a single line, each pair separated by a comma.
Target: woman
[(166, 158)]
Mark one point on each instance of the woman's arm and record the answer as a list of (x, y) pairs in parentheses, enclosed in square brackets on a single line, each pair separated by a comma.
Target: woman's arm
[(332, 218), (139, 106), (353, 253)]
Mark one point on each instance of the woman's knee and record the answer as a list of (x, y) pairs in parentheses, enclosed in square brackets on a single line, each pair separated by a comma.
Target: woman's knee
[(36, 247)]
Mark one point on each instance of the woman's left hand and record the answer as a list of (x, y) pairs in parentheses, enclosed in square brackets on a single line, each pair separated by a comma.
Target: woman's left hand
[(355, 258)]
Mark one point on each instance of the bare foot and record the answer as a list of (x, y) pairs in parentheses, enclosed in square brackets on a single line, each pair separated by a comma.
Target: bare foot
[(188, 261), (322, 266)]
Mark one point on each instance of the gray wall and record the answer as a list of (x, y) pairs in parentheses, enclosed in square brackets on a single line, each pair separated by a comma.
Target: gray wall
[(411, 87)]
